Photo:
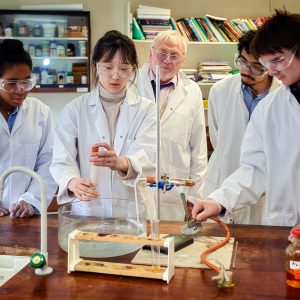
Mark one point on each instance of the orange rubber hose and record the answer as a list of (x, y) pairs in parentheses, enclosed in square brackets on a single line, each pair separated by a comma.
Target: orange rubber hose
[(215, 247)]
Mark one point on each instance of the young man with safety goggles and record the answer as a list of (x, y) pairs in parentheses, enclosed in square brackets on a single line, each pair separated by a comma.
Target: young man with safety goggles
[(26, 133), (270, 153), (231, 104)]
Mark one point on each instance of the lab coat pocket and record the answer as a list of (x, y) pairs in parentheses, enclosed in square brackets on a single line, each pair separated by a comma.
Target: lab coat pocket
[(31, 151)]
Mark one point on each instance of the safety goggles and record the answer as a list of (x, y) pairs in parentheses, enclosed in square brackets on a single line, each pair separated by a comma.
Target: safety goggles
[(172, 57), (123, 70), (242, 64), (13, 86), (281, 63)]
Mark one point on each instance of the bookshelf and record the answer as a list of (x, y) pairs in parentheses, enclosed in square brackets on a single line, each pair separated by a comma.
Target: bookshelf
[(229, 9)]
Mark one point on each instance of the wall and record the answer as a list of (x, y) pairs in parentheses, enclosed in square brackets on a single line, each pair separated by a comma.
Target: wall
[(105, 15), (112, 14)]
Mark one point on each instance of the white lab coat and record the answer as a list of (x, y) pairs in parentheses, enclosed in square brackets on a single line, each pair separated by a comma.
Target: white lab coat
[(228, 118), (30, 145), (270, 162), (183, 141), (83, 123)]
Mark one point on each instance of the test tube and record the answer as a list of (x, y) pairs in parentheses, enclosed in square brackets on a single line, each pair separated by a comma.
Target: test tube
[(155, 250)]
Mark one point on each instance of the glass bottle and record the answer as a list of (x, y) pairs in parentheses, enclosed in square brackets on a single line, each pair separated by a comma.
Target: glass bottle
[(293, 260)]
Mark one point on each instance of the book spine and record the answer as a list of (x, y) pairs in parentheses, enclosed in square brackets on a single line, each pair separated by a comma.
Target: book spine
[(137, 33), (194, 30)]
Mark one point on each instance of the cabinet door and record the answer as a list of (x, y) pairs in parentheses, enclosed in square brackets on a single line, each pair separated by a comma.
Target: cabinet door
[(58, 43)]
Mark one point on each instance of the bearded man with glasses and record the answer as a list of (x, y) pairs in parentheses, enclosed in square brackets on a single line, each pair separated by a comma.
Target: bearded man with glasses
[(183, 132), (270, 153), (231, 104), (26, 133)]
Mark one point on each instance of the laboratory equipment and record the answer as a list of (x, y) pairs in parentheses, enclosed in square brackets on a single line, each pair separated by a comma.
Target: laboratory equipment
[(293, 260), (41, 268), (76, 263), (125, 217), (191, 227)]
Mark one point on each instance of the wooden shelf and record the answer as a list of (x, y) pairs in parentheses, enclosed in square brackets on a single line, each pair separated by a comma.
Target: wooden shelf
[(60, 88)]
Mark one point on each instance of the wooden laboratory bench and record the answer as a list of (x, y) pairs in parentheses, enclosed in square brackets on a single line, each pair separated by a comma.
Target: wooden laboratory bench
[(259, 269)]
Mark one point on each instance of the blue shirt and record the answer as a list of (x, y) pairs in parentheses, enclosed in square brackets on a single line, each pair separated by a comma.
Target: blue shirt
[(295, 90), (12, 118), (249, 100)]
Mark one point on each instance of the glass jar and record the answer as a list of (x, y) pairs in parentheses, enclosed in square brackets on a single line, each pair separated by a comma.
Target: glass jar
[(82, 48), (31, 50), (293, 260), (69, 78), (83, 79), (61, 77), (61, 50), (9, 30), (37, 30), (71, 50), (45, 48), (38, 50), (53, 49)]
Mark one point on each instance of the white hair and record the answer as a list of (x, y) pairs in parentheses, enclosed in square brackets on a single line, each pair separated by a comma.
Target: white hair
[(165, 35)]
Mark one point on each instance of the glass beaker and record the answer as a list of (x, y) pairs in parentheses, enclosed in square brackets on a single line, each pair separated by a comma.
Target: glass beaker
[(125, 217)]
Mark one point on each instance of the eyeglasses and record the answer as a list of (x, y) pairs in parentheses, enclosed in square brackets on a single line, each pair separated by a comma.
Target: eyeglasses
[(13, 86), (281, 63), (173, 57), (124, 70), (242, 64)]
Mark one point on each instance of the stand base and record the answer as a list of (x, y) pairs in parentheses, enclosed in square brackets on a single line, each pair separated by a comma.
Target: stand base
[(44, 271)]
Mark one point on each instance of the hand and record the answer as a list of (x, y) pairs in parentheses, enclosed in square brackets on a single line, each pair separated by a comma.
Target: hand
[(21, 209), (108, 158), (83, 189), (204, 209), (3, 212)]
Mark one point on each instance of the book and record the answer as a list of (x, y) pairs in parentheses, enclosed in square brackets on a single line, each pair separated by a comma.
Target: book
[(215, 18), (212, 28), (201, 29), (150, 10), (194, 30), (137, 33), (174, 24)]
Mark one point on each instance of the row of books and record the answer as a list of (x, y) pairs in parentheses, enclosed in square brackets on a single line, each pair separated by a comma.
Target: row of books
[(213, 70), (213, 29), (200, 29), (151, 21)]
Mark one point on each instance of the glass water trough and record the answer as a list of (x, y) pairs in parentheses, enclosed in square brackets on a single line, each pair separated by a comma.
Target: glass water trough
[(104, 216)]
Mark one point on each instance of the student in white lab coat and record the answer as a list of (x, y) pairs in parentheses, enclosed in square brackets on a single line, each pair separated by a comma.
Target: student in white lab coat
[(183, 132), (231, 103), (26, 133), (111, 117), (270, 153)]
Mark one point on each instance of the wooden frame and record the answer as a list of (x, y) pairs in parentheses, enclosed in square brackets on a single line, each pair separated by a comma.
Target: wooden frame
[(75, 263)]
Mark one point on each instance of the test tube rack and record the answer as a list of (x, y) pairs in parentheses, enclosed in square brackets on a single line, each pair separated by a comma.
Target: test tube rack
[(76, 263)]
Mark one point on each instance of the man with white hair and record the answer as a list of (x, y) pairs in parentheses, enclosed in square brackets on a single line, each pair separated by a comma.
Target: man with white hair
[(183, 132)]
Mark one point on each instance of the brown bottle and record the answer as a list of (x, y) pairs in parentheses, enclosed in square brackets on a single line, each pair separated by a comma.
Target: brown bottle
[(293, 260)]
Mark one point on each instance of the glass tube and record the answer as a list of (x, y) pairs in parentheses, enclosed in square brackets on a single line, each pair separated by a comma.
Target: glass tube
[(155, 250)]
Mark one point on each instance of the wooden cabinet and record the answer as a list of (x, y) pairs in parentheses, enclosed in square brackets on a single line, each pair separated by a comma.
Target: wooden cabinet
[(58, 43)]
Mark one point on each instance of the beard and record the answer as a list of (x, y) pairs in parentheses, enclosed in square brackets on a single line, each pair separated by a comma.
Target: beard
[(245, 82)]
